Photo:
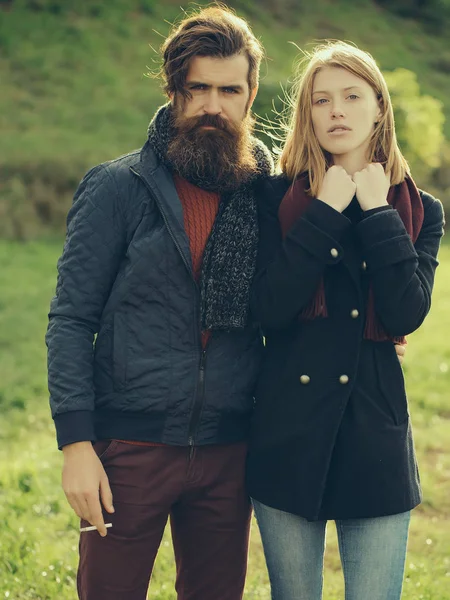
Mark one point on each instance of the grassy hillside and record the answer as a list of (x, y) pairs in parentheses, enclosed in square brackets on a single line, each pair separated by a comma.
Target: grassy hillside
[(38, 539), (74, 89), (73, 85)]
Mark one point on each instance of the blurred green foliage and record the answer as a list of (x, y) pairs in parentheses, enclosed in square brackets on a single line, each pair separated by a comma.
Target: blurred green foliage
[(74, 90), (419, 121), (434, 13)]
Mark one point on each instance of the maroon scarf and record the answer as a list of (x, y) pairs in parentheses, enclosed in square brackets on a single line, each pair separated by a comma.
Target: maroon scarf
[(404, 197)]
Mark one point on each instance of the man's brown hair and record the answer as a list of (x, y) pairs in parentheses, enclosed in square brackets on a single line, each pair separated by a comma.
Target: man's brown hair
[(214, 32)]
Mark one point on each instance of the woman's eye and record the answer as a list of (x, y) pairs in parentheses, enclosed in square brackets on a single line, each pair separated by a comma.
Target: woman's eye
[(321, 101), (353, 96)]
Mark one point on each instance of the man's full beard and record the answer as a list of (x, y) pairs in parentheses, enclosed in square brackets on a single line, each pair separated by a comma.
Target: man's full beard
[(219, 159)]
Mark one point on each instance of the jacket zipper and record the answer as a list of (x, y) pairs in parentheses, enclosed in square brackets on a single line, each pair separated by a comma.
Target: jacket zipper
[(198, 404), (200, 394)]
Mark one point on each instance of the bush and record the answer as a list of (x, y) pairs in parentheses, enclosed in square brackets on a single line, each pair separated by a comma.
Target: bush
[(34, 199), (440, 179), (17, 218), (419, 121)]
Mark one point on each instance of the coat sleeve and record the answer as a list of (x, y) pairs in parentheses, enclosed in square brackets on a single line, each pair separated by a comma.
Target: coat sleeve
[(289, 271), (86, 272), (402, 273)]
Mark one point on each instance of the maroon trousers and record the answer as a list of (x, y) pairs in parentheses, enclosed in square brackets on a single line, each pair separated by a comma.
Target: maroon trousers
[(204, 496)]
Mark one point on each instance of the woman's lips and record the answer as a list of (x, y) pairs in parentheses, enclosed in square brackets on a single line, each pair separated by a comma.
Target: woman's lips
[(339, 131)]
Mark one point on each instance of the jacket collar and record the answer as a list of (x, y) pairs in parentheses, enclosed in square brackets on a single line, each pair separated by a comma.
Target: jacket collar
[(160, 184)]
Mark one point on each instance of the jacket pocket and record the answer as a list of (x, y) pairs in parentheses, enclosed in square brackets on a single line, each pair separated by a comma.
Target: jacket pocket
[(120, 352), (103, 367), (392, 383)]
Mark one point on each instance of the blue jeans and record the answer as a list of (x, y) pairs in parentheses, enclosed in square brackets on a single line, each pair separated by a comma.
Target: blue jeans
[(373, 553)]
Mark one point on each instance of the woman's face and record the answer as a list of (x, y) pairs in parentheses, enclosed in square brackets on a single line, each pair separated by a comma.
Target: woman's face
[(344, 111)]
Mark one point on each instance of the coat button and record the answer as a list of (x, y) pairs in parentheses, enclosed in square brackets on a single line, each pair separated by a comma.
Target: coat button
[(363, 265), (355, 313), (305, 379), (334, 253), (343, 379)]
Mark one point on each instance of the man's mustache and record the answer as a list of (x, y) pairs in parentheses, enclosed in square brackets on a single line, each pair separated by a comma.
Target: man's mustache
[(193, 123)]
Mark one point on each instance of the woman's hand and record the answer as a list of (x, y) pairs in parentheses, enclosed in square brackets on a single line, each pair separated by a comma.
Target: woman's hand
[(337, 188), (372, 186)]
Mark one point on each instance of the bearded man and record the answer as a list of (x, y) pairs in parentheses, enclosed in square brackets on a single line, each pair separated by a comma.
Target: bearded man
[(152, 358)]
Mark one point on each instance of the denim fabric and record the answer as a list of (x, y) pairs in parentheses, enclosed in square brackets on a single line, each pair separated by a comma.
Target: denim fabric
[(373, 553)]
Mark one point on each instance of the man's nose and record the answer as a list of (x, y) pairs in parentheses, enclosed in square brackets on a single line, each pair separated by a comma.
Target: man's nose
[(212, 104)]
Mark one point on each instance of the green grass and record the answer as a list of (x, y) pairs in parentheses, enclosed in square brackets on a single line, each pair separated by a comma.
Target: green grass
[(38, 531)]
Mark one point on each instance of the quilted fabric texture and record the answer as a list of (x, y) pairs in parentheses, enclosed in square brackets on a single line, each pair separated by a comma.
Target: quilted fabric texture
[(124, 332)]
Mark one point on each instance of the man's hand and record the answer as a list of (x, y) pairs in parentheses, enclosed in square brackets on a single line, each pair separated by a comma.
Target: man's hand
[(337, 189), (372, 186), (85, 482), (401, 350)]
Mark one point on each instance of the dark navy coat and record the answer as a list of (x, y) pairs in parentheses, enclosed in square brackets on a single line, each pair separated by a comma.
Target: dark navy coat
[(331, 436)]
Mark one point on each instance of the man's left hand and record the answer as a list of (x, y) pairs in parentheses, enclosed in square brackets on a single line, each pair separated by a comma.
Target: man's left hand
[(401, 350)]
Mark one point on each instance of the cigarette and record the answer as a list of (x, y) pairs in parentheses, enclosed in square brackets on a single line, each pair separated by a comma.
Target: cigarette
[(93, 527)]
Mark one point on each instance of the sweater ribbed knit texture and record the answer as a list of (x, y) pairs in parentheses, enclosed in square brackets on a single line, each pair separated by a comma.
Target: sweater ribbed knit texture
[(200, 209)]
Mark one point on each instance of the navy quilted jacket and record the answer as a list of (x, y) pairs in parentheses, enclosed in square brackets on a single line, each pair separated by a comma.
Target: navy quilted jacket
[(124, 352)]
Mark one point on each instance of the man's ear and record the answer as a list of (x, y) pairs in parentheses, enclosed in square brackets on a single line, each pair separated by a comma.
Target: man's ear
[(252, 97)]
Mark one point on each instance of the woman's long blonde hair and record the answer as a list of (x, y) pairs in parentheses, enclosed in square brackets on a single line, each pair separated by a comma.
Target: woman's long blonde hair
[(301, 151)]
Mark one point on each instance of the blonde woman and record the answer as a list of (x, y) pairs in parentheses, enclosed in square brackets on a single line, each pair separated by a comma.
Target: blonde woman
[(348, 248)]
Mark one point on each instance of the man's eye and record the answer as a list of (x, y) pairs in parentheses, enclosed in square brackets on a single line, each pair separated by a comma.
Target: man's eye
[(198, 87), (230, 90)]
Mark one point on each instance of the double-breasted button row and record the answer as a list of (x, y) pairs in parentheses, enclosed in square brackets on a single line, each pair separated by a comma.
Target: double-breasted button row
[(305, 379)]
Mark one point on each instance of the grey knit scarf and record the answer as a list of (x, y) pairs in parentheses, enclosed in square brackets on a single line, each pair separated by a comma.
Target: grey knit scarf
[(229, 259)]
